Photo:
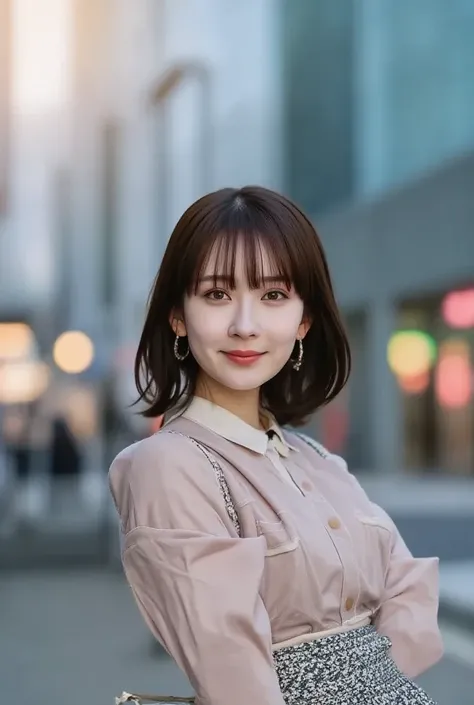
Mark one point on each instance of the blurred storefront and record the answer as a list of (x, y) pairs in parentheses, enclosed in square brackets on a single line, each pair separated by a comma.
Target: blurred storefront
[(48, 410), (432, 356), (402, 267)]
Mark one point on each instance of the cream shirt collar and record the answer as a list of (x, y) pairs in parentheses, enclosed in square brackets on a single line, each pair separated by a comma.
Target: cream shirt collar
[(233, 429)]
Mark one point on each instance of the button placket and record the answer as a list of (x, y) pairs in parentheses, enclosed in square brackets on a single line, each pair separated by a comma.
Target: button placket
[(343, 545), (349, 604), (299, 480), (342, 542)]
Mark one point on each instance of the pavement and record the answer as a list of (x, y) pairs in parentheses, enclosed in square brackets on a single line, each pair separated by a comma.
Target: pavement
[(403, 493), (76, 637)]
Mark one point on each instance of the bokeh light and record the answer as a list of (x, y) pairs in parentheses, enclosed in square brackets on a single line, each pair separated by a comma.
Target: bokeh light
[(23, 382), (73, 352), (453, 375), (415, 384), (457, 308), (17, 341), (411, 353)]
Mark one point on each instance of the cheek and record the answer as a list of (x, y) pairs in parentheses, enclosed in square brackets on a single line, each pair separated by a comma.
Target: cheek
[(202, 327), (285, 324)]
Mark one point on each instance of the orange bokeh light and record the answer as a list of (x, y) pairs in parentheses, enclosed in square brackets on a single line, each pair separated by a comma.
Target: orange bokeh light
[(414, 384)]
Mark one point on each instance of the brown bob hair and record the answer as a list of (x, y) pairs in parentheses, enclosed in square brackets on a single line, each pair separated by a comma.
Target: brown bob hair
[(261, 220)]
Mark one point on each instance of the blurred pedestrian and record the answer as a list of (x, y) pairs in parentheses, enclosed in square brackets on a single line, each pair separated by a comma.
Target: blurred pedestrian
[(256, 558), (65, 454)]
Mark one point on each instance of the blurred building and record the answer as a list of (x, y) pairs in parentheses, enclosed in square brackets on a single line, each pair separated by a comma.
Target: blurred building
[(163, 114), (379, 145), (360, 111), (5, 99)]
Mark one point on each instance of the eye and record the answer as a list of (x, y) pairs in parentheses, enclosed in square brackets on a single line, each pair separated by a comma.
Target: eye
[(275, 295), (216, 295)]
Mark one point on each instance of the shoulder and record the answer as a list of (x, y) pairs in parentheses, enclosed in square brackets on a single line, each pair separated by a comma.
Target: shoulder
[(161, 445), (310, 446), (166, 481), (165, 461), (338, 473)]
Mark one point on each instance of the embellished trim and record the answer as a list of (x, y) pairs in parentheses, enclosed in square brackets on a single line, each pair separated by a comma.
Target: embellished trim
[(221, 481), (318, 447)]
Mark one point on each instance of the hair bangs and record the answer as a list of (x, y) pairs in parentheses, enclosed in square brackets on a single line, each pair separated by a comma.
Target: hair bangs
[(266, 255)]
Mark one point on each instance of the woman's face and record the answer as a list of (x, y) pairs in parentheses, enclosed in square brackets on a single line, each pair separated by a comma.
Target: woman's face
[(241, 337)]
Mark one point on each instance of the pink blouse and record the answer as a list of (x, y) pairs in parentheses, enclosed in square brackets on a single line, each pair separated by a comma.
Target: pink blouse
[(317, 554)]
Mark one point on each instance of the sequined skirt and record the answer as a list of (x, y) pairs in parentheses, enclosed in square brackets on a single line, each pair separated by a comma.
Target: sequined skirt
[(352, 668)]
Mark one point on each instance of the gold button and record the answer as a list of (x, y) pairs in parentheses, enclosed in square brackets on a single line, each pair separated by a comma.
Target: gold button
[(349, 604), (334, 523)]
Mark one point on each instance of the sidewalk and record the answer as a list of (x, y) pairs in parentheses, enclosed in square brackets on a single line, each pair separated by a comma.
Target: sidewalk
[(412, 495), (457, 592)]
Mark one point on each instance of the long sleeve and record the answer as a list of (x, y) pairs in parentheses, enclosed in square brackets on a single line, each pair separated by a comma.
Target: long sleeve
[(195, 582), (408, 614)]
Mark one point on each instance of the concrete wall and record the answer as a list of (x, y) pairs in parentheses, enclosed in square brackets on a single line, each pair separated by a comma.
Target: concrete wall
[(413, 240)]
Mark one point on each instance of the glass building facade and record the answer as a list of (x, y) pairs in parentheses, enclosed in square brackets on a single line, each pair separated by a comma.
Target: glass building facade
[(375, 93)]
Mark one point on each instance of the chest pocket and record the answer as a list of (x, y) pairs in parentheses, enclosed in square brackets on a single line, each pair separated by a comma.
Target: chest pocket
[(278, 537), (279, 589)]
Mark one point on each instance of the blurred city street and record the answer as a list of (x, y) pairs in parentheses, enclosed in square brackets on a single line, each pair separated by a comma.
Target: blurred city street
[(80, 639), (115, 116)]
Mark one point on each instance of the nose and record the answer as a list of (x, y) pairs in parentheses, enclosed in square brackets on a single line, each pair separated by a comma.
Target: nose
[(244, 322)]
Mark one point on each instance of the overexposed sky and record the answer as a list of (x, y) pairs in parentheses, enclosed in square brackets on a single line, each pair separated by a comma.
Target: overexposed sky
[(41, 54)]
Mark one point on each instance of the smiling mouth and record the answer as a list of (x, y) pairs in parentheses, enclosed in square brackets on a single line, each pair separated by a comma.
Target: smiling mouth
[(243, 357)]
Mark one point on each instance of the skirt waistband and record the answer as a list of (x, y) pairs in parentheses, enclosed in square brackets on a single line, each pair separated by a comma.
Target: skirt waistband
[(362, 620), (354, 666)]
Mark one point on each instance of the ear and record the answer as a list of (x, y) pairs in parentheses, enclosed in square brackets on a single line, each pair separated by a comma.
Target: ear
[(177, 323), (303, 328)]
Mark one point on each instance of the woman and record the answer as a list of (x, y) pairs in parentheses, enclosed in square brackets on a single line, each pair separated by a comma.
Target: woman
[(256, 559)]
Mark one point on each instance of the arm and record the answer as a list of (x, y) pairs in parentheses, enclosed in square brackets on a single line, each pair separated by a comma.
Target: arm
[(195, 582), (408, 614)]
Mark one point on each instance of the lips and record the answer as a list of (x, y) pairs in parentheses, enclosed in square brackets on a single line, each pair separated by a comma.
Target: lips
[(243, 357), (243, 353)]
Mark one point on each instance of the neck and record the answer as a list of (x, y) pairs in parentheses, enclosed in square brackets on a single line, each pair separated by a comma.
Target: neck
[(244, 404)]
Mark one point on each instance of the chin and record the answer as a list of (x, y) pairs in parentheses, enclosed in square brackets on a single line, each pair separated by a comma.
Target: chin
[(234, 387), (242, 382)]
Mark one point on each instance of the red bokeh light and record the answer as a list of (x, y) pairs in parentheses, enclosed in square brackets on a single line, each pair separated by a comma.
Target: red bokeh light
[(453, 382), (457, 308)]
